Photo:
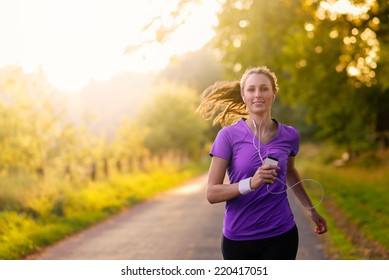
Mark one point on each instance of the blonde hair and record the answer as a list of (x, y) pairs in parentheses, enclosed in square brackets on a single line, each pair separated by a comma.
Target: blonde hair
[(224, 99)]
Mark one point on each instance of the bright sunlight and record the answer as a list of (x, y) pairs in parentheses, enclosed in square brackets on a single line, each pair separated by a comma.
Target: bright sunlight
[(73, 42)]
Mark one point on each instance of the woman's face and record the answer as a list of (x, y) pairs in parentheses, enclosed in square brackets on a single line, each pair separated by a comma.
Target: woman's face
[(258, 94)]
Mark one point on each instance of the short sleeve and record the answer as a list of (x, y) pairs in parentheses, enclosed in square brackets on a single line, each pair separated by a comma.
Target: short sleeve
[(295, 143), (222, 146)]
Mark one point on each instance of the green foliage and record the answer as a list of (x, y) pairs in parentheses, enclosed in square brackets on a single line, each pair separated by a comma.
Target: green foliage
[(331, 61), (253, 33), (321, 70), (34, 135), (129, 142), (29, 122), (47, 163), (355, 203), (344, 109), (172, 122), (50, 214), (197, 69)]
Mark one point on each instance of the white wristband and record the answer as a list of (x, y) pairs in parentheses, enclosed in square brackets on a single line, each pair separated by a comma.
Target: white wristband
[(244, 186)]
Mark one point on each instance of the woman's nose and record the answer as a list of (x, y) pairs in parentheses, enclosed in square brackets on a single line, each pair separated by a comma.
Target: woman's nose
[(258, 94)]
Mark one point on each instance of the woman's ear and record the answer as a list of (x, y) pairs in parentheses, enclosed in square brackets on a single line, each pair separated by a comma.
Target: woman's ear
[(243, 99)]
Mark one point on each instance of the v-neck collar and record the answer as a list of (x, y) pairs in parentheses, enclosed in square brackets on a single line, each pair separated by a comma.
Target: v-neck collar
[(243, 121)]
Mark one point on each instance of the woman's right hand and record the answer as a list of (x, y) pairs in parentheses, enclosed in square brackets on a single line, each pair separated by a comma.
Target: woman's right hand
[(266, 174)]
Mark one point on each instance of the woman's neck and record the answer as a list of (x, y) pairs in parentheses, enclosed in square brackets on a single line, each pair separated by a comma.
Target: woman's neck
[(263, 123)]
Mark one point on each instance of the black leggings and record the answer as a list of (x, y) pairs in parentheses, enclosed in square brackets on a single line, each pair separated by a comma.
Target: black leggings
[(281, 247)]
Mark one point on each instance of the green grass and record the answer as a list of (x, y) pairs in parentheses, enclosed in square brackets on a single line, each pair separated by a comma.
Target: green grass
[(358, 195), (36, 214), (44, 214)]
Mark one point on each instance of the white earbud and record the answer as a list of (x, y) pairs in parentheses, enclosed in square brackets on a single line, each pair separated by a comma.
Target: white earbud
[(243, 99)]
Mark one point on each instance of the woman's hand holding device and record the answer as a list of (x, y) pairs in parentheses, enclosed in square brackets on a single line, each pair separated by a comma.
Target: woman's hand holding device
[(266, 174)]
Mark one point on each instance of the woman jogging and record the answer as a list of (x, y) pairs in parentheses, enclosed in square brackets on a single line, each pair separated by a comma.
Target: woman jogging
[(258, 154)]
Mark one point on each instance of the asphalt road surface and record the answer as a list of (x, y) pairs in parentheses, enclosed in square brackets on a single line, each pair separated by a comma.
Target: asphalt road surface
[(177, 225)]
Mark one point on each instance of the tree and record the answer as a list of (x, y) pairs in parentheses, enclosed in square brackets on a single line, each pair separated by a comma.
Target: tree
[(345, 47), (197, 69), (315, 62), (173, 123), (34, 134), (331, 58), (30, 123), (129, 144)]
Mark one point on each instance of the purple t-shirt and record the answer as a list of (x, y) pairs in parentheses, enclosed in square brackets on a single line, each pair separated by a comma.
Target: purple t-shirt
[(258, 214)]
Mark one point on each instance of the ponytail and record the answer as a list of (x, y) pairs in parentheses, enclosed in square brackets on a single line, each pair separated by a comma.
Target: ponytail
[(224, 100)]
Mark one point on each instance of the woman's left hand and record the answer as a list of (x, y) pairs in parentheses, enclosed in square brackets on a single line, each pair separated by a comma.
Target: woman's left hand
[(321, 224)]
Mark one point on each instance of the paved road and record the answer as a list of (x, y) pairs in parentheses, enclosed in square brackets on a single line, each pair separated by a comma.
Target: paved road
[(177, 225)]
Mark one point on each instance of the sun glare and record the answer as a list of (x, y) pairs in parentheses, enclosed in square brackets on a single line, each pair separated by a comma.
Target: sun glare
[(75, 41), (361, 68), (346, 7)]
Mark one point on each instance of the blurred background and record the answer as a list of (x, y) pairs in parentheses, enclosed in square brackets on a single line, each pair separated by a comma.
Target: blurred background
[(97, 97)]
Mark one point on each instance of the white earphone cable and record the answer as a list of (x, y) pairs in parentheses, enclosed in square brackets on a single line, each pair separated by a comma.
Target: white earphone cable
[(258, 129)]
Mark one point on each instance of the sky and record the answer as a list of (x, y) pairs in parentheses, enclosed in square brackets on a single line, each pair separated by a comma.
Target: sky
[(75, 41)]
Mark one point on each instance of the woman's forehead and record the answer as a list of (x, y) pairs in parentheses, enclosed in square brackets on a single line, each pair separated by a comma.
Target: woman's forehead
[(257, 79)]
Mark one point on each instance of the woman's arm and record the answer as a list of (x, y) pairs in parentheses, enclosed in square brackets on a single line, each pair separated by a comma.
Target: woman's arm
[(292, 177), (217, 191)]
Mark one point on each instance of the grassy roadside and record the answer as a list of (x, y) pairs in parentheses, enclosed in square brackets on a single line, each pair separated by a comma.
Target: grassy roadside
[(354, 206), (45, 219)]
